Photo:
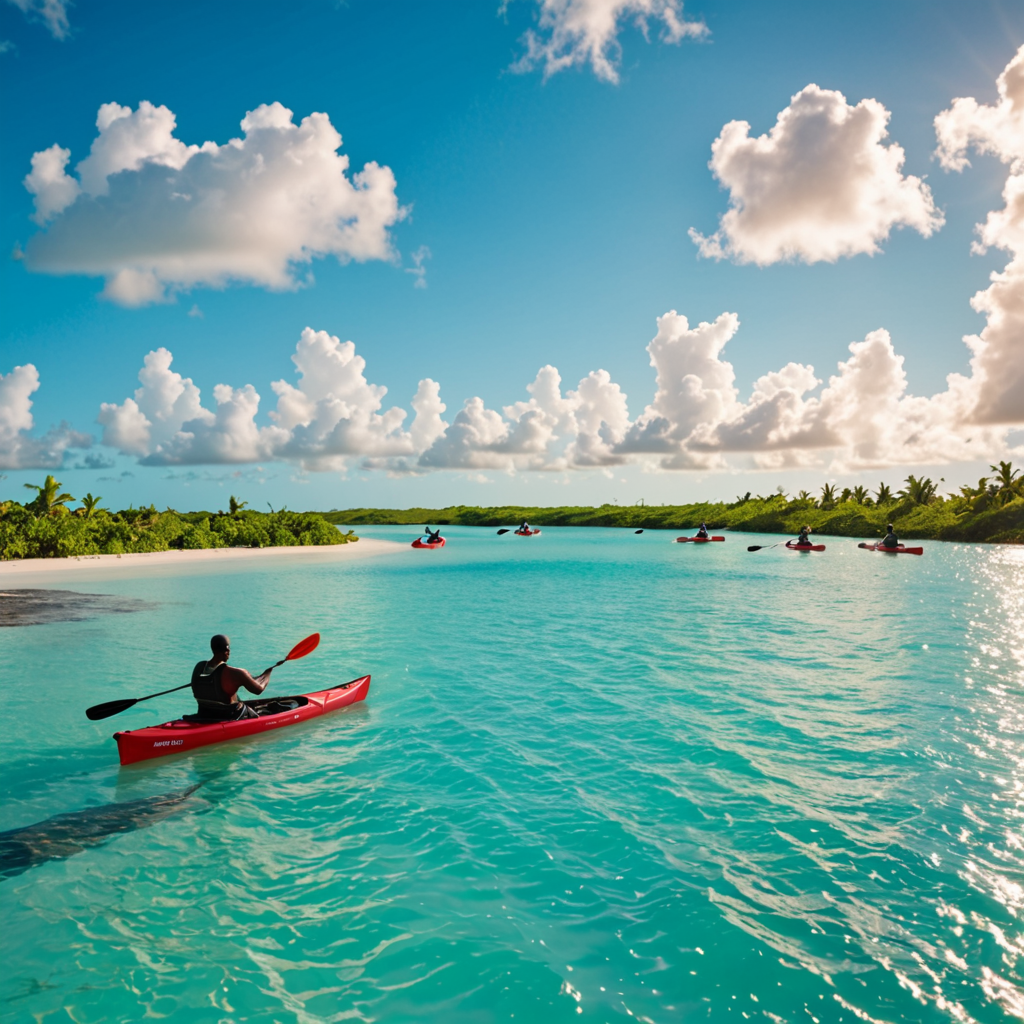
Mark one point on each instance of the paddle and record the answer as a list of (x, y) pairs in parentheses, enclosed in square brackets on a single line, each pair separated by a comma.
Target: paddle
[(506, 530), (764, 547), (638, 531), (115, 707)]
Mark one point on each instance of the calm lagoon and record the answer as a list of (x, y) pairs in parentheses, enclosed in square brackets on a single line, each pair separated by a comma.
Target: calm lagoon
[(598, 777)]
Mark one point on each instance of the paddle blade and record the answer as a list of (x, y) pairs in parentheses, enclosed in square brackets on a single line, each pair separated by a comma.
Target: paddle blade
[(112, 707), (755, 547), (500, 532), (303, 647), (638, 531)]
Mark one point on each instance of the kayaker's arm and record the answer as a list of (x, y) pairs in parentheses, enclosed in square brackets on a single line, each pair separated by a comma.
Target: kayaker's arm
[(236, 678)]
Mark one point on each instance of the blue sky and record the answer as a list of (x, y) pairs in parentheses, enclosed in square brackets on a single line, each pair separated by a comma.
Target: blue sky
[(550, 215)]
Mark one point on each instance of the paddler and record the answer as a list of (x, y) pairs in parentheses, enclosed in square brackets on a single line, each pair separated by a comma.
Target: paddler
[(433, 536), (804, 540), (702, 531), (215, 684), (890, 540), (524, 527)]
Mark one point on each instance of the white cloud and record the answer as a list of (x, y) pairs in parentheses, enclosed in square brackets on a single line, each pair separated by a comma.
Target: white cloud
[(18, 449), (52, 13), (820, 185), (153, 215), (578, 32), (419, 266), (997, 363)]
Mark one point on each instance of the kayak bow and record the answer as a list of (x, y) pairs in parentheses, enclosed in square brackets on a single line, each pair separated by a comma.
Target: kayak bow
[(526, 533), (420, 543), (275, 713), (696, 540)]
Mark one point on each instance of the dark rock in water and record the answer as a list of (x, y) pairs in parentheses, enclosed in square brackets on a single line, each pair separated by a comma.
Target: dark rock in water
[(67, 834), (37, 607)]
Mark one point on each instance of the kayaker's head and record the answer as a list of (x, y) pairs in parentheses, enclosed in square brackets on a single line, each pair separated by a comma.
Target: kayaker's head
[(221, 647), (889, 528)]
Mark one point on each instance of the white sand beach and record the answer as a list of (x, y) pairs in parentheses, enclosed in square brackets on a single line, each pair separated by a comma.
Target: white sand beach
[(215, 560)]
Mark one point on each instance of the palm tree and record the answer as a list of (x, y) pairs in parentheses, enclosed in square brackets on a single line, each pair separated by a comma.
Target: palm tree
[(1007, 482), (828, 497), (860, 495), (236, 505), (89, 505), (48, 496), (804, 496), (883, 496), (846, 495), (919, 491), (967, 491)]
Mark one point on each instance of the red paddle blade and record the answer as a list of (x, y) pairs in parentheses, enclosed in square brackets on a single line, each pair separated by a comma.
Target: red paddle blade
[(303, 647)]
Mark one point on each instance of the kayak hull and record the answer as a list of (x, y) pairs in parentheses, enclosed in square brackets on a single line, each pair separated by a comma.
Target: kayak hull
[(697, 540), (180, 735), (526, 533), (901, 550), (805, 547), (417, 543)]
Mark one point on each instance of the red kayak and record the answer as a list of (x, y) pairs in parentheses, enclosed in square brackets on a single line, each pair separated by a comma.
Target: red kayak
[(902, 549), (275, 713), (420, 543), (804, 547), (526, 533), (697, 540)]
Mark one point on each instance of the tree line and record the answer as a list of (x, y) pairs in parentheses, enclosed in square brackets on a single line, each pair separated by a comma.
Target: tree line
[(993, 511), (45, 527)]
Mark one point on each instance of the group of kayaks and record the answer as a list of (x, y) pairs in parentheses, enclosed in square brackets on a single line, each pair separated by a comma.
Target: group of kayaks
[(435, 540), (274, 713), (899, 549)]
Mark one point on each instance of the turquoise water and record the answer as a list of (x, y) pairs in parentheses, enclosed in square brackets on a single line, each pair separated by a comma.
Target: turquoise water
[(598, 777)]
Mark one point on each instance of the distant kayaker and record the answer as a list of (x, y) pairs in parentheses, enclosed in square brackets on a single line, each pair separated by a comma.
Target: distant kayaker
[(890, 540), (524, 527), (433, 536), (702, 531), (804, 540), (215, 684)]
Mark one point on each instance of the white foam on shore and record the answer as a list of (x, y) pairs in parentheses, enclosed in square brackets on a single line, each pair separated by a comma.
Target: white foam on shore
[(81, 567)]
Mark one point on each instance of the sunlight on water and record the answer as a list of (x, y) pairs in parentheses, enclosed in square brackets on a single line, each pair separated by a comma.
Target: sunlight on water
[(598, 776)]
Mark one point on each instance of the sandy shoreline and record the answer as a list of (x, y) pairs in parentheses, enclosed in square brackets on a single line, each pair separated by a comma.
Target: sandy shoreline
[(204, 559)]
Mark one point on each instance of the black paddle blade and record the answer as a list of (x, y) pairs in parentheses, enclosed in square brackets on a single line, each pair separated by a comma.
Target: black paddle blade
[(638, 531), (755, 547), (112, 707), (500, 532)]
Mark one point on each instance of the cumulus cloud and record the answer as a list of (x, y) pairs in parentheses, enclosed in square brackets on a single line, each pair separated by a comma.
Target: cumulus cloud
[(52, 13), (332, 417), (153, 215), (997, 353), (820, 185), (580, 32), (18, 448)]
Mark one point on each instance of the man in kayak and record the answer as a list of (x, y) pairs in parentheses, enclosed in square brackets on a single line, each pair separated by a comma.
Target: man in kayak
[(702, 531), (215, 684), (433, 536), (804, 540), (524, 527), (890, 540)]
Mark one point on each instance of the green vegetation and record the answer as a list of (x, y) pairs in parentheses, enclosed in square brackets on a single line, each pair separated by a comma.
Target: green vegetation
[(993, 512), (46, 528)]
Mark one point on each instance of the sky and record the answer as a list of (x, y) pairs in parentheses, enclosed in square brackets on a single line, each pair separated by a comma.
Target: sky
[(332, 255)]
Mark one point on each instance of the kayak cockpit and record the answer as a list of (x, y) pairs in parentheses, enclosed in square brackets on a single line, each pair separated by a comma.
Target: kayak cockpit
[(263, 708)]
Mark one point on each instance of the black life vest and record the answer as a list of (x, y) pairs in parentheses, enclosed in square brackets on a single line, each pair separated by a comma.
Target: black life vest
[(209, 693)]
